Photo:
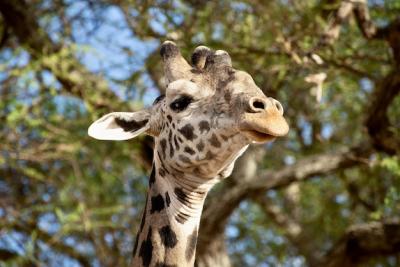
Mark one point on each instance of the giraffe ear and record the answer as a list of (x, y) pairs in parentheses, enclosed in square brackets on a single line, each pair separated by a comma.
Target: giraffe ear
[(120, 125)]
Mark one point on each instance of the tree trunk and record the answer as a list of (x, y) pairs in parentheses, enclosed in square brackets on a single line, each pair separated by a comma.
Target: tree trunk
[(214, 254)]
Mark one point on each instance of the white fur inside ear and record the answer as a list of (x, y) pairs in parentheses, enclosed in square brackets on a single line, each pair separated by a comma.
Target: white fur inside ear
[(120, 125)]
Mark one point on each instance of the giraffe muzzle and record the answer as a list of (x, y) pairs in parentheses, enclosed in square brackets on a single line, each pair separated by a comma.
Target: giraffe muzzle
[(264, 121)]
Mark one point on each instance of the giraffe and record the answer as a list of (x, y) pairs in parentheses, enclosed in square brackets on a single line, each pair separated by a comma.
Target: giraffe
[(208, 116)]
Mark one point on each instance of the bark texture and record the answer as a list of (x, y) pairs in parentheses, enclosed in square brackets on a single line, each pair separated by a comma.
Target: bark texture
[(364, 241)]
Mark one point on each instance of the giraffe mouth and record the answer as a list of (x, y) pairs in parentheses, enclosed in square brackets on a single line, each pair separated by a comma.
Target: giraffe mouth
[(263, 127), (259, 137)]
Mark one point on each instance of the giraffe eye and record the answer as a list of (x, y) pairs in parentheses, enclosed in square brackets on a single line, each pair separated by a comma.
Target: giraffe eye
[(181, 103)]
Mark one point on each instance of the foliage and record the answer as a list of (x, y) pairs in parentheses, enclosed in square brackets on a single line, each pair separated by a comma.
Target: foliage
[(68, 200)]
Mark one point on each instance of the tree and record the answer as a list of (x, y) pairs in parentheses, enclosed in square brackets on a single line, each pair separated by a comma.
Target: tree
[(327, 195)]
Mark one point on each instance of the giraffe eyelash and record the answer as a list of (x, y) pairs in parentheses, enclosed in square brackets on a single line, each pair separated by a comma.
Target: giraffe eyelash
[(158, 99)]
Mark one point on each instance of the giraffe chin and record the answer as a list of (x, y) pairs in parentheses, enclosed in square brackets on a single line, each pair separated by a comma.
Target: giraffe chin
[(258, 137)]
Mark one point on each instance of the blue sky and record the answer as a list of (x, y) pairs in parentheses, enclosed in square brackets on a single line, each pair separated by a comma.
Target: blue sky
[(105, 50)]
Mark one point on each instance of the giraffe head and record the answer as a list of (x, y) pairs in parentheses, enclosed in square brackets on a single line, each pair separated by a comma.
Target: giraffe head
[(206, 119)]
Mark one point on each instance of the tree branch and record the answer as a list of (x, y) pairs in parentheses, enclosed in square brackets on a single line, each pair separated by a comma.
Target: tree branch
[(137, 28), (364, 241), (6, 254), (312, 166), (74, 77), (341, 15), (361, 13), (28, 228), (293, 231), (377, 122), (382, 133), (218, 211)]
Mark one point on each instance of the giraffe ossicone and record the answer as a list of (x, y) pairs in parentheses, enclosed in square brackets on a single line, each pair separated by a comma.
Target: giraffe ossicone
[(207, 118)]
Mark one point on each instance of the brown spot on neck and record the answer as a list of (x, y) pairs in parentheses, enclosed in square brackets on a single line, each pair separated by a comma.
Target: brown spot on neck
[(200, 146), (214, 141), (204, 126)]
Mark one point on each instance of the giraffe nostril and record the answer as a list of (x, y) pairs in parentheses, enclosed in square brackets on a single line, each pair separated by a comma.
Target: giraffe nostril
[(278, 106), (258, 104)]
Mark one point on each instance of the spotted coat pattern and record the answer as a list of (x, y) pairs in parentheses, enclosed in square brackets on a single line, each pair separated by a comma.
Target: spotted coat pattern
[(205, 121)]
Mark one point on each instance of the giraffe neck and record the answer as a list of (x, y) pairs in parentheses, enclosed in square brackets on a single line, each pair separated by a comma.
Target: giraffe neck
[(170, 222)]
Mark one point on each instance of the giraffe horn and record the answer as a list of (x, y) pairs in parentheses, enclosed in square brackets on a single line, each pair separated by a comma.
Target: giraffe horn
[(175, 66), (200, 55), (218, 59)]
